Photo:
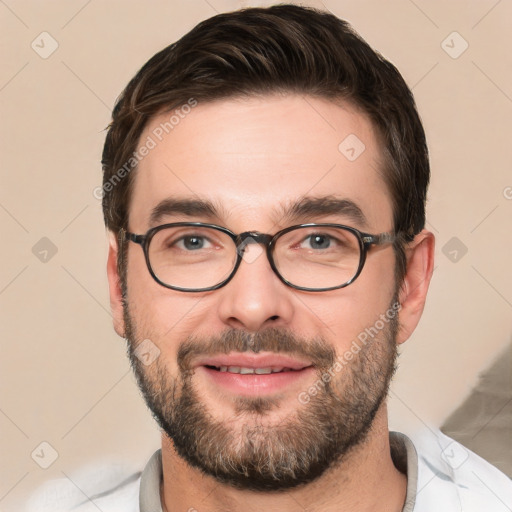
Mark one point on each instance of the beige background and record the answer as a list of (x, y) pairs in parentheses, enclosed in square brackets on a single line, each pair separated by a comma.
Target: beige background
[(64, 377)]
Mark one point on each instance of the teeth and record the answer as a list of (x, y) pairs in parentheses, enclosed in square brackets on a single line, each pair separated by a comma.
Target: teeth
[(263, 371), (249, 371)]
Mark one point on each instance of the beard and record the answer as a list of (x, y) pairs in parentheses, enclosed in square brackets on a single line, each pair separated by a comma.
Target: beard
[(253, 453)]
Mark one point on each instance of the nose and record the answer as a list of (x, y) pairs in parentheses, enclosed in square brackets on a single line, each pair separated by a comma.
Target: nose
[(255, 298)]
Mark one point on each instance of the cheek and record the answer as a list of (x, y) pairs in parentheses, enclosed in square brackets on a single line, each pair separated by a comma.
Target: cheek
[(342, 315), (164, 323), (341, 318), (161, 315)]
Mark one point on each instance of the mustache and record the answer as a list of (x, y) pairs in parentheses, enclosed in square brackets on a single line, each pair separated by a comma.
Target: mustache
[(281, 341)]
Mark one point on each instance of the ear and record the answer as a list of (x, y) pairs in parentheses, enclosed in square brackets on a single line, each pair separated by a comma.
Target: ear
[(114, 284), (413, 292)]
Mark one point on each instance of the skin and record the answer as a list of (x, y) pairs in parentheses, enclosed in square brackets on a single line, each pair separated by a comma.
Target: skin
[(249, 156)]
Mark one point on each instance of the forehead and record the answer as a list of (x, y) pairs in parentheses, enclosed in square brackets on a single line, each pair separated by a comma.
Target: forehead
[(252, 158)]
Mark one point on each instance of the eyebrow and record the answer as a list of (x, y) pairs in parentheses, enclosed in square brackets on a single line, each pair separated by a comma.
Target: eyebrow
[(305, 209), (309, 207), (183, 206)]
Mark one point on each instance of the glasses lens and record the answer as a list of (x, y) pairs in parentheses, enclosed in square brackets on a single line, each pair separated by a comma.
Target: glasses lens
[(317, 257), (191, 257)]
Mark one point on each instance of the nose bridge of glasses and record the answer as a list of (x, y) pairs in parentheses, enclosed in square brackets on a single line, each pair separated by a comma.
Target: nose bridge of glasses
[(252, 237)]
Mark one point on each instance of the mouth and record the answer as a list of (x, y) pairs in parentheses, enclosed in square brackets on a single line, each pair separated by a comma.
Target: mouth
[(254, 374), (241, 370)]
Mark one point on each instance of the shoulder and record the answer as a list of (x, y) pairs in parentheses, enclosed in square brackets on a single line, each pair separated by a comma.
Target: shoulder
[(453, 476), (106, 488)]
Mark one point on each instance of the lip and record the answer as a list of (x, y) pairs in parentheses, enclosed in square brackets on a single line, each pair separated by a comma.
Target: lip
[(248, 360), (255, 384)]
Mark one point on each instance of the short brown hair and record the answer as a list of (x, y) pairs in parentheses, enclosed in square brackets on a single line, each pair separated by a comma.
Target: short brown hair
[(283, 48)]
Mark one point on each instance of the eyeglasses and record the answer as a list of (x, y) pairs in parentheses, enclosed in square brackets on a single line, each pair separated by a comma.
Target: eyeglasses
[(199, 257)]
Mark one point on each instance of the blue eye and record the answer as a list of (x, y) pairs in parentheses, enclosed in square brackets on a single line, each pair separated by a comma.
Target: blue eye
[(319, 241), (192, 242)]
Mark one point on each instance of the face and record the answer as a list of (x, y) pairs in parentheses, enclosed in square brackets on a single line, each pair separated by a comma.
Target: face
[(254, 162)]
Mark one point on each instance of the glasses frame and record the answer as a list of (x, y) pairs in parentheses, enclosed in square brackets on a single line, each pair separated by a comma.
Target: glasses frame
[(366, 240)]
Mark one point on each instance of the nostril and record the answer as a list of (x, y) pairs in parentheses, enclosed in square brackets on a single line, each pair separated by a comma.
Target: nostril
[(275, 317)]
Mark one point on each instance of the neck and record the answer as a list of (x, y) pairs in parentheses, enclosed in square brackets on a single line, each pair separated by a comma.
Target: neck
[(365, 481)]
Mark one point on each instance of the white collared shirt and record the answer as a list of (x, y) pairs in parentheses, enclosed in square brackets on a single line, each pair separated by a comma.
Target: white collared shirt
[(442, 476)]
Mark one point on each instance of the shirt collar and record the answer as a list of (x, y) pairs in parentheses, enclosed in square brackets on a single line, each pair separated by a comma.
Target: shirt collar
[(403, 454)]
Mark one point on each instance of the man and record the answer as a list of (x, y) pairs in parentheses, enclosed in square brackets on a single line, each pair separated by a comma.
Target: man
[(264, 189)]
